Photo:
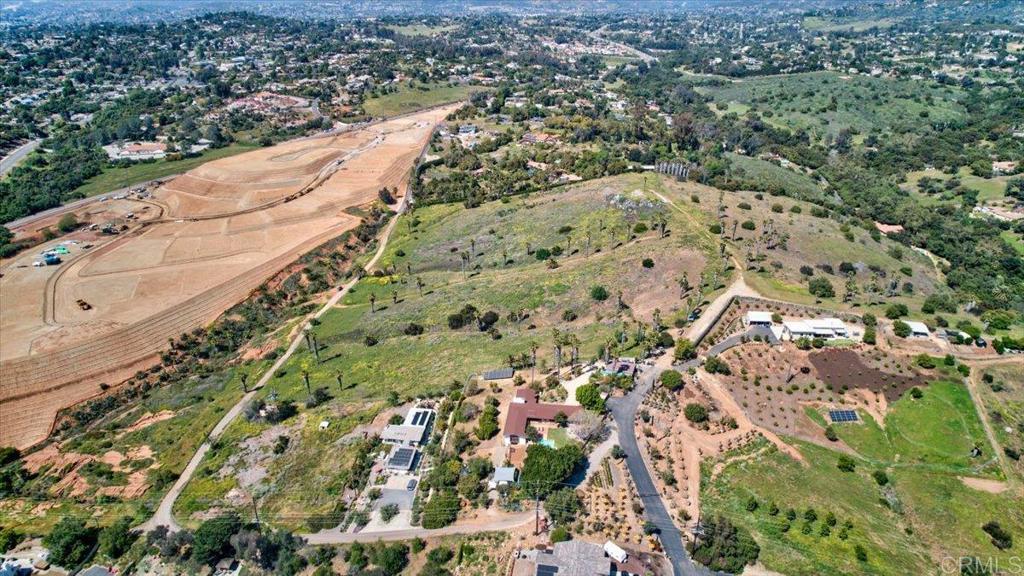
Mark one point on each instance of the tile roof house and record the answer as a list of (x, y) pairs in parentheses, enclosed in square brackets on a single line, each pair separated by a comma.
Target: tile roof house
[(525, 409)]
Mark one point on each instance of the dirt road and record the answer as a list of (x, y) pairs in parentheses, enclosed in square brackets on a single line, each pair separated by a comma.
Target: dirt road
[(164, 515), (227, 226), (334, 537)]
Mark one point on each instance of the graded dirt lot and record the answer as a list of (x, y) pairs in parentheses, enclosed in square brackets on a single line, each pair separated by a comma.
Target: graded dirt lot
[(222, 230)]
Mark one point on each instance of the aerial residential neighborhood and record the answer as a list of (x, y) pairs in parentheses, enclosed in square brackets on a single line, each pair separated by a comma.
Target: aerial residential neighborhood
[(511, 288)]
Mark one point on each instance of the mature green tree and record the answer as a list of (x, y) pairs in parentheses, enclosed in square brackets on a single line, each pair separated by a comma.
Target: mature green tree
[(546, 469), (117, 538), (562, 505), (212, 540), (69, 542), (589, 396), (685, 350), (725, 547), (672, 380)]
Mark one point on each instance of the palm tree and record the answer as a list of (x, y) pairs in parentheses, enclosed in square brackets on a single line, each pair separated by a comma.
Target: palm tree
[(684, 286), (373, 302), (557, 341), (305, 377), (573, 342), (337, 376), (533, 358), (245, 378), (465, 263), (419, 285), (394, 296)]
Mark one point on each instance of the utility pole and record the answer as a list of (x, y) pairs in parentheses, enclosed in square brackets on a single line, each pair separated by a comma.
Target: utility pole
[(256, 513), (536, 520)]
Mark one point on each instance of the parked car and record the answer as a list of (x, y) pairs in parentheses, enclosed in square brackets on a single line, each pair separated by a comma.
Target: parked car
[(411, 485), (980, 343)]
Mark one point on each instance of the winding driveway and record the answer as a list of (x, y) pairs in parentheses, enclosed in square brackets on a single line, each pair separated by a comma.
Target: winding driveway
[(624, 412)]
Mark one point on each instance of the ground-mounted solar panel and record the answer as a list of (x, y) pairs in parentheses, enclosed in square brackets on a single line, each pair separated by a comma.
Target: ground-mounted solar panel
[(842, 416), (500, 374)]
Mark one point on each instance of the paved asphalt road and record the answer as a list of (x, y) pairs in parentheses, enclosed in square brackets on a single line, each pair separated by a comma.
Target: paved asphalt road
[(624, 412), (16, 155)]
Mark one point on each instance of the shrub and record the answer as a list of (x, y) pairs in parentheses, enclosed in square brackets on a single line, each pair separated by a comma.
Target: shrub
[(1001, 539), (648, 263), (685, 350), (748, 225), (388, 512), (880, 477), (599, 293), (895, 311), (715, 228), (715, 365), (672, 380), (821, 288), (67, 223), (860, 553), (725, 547), (696, 413), (560, 534), (830, 433), (901, 329), (846, 464)]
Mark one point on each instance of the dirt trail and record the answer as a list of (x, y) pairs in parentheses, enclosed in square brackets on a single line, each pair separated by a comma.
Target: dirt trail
[(164, 515), (133, 316)]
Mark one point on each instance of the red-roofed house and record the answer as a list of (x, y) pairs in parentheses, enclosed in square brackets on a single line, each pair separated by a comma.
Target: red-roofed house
[(525, 409)]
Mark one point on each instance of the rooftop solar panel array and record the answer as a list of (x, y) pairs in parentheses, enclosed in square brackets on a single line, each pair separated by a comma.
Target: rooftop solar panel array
[(840, 416), (546, 570), (420, 418), (500, 374), (402, 457)]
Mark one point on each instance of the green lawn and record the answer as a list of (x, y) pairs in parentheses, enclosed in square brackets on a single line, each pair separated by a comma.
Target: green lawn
[(121, 177), (925, 512), (935, 432), (411, 99)]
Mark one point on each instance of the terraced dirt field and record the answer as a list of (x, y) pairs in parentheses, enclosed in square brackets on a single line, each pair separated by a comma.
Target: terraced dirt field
[(222, 229)]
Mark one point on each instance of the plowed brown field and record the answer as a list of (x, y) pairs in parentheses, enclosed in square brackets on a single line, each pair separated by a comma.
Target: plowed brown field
[(226, 227)]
